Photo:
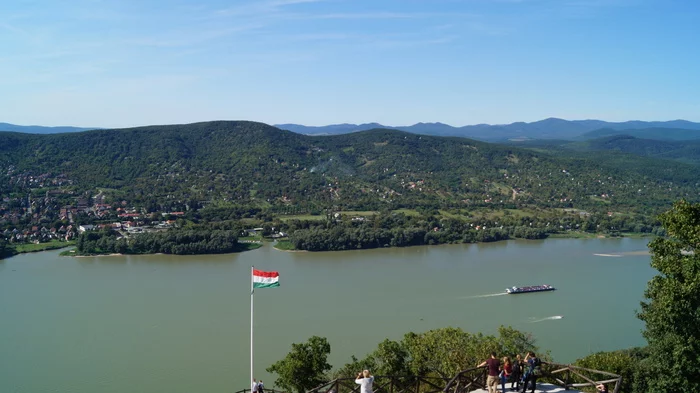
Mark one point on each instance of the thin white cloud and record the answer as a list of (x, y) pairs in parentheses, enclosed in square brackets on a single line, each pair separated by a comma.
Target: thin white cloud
[(408, 42), (261, 8), (181, 38), (281, 3), (368, 15), (12, 28)]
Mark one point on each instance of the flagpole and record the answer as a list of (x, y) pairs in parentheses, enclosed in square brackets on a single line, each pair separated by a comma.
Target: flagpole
[(252, 291)]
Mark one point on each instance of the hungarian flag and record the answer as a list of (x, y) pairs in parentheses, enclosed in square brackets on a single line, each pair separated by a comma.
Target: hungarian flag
[(263, 279)]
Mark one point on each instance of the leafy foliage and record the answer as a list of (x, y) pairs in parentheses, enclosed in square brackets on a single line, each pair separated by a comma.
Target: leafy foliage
[(671, 310), (440, 352), (174, 241), (5, 251), (304, 367), (626, 363)]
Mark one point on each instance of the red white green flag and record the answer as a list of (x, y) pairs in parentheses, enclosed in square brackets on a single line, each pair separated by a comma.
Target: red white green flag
[(263, 279)]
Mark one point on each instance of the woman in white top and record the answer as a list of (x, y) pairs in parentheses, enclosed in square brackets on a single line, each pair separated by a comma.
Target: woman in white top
[(365, 380)]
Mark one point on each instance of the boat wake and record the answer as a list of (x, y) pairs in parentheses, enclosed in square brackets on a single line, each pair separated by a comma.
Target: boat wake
[(547, 319), (608, 255), (634, 253), (480, 296)]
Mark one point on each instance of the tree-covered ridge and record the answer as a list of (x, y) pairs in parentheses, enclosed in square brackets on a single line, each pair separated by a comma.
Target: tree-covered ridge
[(686, 151), (252, 161), (655, 133)]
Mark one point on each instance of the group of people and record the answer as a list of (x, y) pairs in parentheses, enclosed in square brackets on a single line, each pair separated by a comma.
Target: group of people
[(517, 371), (257, 386)]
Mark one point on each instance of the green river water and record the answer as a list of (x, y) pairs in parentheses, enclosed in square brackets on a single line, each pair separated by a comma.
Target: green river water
[(176, 324)]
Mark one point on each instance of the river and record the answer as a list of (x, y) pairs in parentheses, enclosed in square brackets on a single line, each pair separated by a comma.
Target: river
[(173, 324)]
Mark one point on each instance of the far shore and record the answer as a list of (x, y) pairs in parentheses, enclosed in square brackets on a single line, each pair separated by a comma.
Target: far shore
[(568, 235)]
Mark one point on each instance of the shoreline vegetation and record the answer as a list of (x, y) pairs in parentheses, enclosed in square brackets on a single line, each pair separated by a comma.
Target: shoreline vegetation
[(23, 248), (200, 241), (72, 253), (284, 244)]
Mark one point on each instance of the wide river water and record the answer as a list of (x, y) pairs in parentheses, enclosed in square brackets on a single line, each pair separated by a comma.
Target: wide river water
[(176, 324)]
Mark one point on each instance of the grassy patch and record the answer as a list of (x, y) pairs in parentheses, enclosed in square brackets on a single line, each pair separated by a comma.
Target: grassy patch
[(303, 217), (447, 214), (599, 199), (31, 247), (365, 213), (408, 212), (284, 245)]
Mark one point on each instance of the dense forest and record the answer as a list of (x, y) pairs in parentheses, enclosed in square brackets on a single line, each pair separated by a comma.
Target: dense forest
[(219, 171), (174, 241), (620, 146)]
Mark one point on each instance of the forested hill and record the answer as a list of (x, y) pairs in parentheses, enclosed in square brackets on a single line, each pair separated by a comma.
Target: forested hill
[(687, 151), (656, 133), (251, 163), (41, 129), (551, 128)]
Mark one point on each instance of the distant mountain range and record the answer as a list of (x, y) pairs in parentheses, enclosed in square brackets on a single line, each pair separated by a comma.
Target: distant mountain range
[(551, 128), (42, 129)]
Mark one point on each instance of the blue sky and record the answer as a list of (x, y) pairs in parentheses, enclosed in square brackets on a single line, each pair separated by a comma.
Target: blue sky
[(120, 63)]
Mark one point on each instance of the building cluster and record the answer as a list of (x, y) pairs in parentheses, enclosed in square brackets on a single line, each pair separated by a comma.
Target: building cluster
[(60, 214)]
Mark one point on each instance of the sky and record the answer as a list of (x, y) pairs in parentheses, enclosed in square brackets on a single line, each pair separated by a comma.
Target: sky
[(123, 63)]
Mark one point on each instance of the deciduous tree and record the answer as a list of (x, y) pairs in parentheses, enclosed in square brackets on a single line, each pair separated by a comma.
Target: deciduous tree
[(672, 306), (304, 367)]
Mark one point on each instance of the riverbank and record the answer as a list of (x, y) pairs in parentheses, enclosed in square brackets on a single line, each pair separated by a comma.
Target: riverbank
[(286, 245), (38, 247), (73, 253)]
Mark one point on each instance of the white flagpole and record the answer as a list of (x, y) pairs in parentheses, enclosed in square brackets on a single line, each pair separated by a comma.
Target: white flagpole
[(252, 290)]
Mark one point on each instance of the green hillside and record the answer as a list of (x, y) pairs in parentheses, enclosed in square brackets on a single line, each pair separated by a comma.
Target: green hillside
[(659, 133), (687, 151), (256, 164)]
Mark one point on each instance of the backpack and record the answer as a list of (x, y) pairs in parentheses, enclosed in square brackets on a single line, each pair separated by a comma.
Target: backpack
[(536, 367)]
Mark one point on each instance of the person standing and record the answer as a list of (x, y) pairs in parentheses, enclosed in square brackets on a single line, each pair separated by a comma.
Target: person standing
[(533, 368), (261, 387), (506, 372), (365, 380), (493, 365), (254, 386), (517, 373)]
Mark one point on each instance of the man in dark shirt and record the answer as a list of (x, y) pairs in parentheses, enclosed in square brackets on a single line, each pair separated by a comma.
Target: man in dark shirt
[(532, 363), (494, 366)]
